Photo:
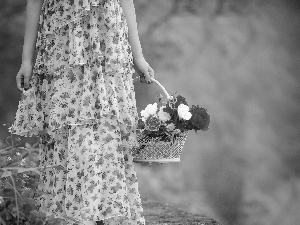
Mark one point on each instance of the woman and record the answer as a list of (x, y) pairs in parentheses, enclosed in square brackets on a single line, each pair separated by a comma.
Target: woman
[(78, 97)]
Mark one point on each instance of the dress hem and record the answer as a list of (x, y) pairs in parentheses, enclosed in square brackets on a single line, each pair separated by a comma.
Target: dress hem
[(79, 222)]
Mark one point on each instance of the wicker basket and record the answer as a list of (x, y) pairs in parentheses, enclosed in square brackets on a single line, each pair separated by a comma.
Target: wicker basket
[(159, 149)]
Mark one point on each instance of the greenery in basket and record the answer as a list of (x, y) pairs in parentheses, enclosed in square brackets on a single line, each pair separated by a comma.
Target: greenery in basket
[(172, 118), (19, 177)]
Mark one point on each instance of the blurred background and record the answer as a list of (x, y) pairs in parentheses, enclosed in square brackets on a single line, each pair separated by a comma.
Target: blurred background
[(240, 60)]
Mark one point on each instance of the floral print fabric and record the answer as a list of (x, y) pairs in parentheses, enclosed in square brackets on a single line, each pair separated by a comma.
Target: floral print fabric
[(81, 103), (99, 181), (82, 72)]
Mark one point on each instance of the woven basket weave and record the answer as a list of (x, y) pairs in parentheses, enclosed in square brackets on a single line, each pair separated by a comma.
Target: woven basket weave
[(158, 149)]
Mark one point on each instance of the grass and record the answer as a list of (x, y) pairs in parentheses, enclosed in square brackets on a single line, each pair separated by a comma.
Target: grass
[(19, 177)]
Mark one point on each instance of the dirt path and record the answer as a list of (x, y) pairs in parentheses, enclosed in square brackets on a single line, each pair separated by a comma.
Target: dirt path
[(159, 213)]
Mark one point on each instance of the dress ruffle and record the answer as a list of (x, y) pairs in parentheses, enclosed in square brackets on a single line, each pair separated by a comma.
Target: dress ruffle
[(83, 69), (59, 13), (80, 20)]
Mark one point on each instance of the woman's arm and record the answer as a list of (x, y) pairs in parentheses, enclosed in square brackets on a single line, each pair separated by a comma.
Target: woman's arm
[(134, 41), (33, 11), (129, 11)]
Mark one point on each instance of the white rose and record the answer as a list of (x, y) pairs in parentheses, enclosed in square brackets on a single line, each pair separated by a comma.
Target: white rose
[(144, 115), (162, 115), (149, 110), (183, 112)]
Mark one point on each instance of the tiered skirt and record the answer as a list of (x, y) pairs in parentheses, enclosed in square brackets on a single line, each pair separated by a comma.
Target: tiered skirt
[(81, 103)]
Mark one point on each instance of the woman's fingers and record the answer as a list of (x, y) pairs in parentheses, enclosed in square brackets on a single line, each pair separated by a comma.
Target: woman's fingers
[(23, 76), (22, 81), (151, 75), (147, 75), (145, 78), (19, 81), (151, 72), (26, 82)]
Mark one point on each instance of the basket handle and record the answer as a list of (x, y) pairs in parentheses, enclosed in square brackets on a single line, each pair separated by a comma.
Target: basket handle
[(159, 84)]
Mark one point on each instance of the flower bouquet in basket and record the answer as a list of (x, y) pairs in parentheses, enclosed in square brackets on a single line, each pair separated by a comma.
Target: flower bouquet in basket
[(163, 127)]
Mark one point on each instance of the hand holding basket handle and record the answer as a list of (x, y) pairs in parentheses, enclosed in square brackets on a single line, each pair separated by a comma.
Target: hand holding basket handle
[(143, 69), (159, 84)]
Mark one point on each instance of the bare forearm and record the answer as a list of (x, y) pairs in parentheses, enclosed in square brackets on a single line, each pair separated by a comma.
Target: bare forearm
[(33, 10), (129, 12)]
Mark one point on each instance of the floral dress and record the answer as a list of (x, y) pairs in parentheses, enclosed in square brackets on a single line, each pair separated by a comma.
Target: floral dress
[(81, 103)]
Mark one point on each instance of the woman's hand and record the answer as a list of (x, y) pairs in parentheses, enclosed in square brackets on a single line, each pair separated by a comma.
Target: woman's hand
[(33, 11), (24, 75), (143, 69)]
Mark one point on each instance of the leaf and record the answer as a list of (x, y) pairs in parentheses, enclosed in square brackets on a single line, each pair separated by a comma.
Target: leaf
[(168, 109), (5, 173), (180, 100), (4, 151), (2, 161), (8, 192), (8, 171)]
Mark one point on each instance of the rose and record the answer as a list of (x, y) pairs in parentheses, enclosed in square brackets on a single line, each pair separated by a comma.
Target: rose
[(170, 127), (200, 118), (162, 115), (183, 112), (152, 123), (149, 110)]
